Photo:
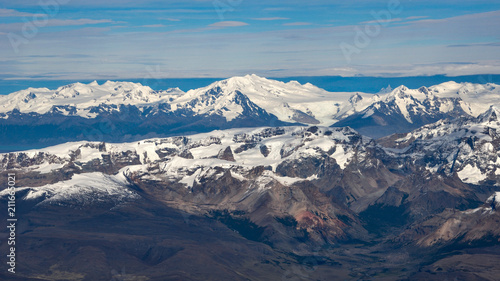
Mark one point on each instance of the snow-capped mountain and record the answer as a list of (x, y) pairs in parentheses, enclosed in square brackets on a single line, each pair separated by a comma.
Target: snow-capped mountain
[(287, 101), (290, 190), (124, 111), (81, 98), (234, 168), (468, 146), (187, 160), (405, 109), (290, 102)]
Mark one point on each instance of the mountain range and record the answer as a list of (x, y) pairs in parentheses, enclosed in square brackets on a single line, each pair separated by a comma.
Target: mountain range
[(124, 111), (254, 179)]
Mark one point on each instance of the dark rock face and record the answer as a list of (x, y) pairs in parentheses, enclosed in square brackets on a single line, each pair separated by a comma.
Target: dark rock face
[(226, 154)]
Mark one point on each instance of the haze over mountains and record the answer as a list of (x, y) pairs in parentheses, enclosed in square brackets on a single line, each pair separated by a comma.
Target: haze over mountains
[(298, 196)]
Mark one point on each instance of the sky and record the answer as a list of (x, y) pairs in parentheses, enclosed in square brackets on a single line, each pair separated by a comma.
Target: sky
[(119, 39)]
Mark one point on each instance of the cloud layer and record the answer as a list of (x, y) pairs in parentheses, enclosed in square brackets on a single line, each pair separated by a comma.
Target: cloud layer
[(123, 39)]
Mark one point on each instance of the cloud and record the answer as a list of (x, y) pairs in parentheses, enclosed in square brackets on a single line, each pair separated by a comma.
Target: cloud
[(268, 45), (17, 27), (416, 17), (476, 18), (491, 44), (297, 23), (457, 28), (407, 70), (382, 21), (228, 24), (58, 22), (153, 25), (277, 9), (270, 19), (14, 13)]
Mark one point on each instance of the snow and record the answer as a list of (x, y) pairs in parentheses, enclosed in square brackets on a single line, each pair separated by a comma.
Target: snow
[(477, 97), (402, 104), (368, 113), (278, 98), (341, 156), (288, 181), (81, 187), (281, 99), (147, 151), (84, 96), (206, 146), (473, 211), (467, 146), (189, 180), (206, 151), (471, 174), (496, 197), (46, 168), (89, 154), (296, 142), (238, 176), (446, 106)]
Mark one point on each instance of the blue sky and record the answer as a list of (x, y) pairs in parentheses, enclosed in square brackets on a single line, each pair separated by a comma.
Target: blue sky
[(75, 39)]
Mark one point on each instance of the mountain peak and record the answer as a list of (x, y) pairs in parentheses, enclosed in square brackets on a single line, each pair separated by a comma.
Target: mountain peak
[(400, 92), (386, 90), (246, 80), (355, 98), (491, 115)]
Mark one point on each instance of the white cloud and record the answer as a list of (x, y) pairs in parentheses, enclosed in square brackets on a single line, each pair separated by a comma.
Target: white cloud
[(416, 17), (153, 25), (17, 27), (297, 24), (382, 21), (228, 24), (271, 19), (14, 13), (406, 70), (58, 22), (406, 48)]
